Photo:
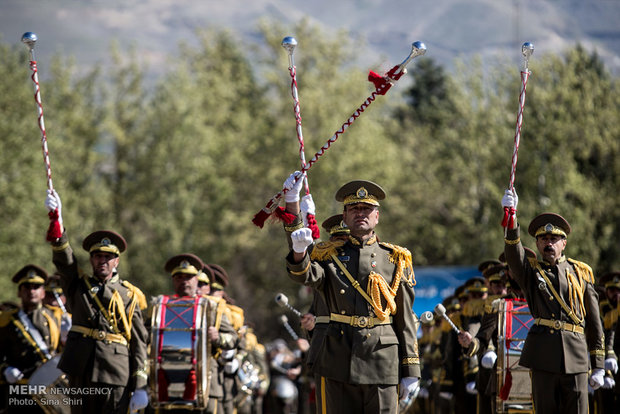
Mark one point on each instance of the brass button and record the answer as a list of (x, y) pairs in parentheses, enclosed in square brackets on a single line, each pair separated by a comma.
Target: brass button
[(341, 332), (342, 291), (373, 254), (342, 312), (551, 331)]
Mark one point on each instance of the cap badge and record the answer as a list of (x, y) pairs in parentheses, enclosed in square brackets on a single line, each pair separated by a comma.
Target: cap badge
[(32, 273), (362, 192), (184, 264), (106, 242), (549, 227)]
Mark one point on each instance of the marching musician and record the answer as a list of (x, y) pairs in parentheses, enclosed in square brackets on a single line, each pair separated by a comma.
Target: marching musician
[(567, 336), (371, 344), (29, 335), (106, 346), (609, 306)]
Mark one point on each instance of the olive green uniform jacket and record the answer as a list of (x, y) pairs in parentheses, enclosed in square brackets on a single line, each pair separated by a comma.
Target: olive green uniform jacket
[(107, 362), (548, 349), (381, 354)]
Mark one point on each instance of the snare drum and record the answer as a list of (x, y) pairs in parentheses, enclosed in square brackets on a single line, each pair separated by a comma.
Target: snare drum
[(179, 353), (53, 398), (514, 382)]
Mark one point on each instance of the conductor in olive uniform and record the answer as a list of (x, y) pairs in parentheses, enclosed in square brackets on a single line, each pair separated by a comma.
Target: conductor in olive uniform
[(567, 336), (29, 336), (106, 346), (371, 344)]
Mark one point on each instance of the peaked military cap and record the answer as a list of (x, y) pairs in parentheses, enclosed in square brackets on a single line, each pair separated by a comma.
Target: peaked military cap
[(205, 275), (451, 303), (497, 273), (609, 280), (185, 263), (360, 191), (486, 264), (30, 274), (104, 241), (52, 284), (459, 292), (475, 284), (549, 223), (334, 225), (220, 277), (528, 253)]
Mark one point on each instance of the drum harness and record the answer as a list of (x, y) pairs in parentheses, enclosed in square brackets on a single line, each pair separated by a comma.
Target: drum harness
[(33, 336)]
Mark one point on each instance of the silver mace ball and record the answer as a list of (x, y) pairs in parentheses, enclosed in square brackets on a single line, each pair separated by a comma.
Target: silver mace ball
[(426, 317), (29, 38), (417, 49), (289, 43), (527, 50)]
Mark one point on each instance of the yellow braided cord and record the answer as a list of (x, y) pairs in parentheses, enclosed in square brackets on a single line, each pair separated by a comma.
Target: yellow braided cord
[(116, 306), (324, 250), (377, 286), (54, 331), (576, 288)]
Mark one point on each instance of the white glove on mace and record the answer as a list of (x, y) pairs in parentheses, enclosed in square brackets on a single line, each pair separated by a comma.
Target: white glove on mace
[(597, 378), (52, 202), (293, 188)]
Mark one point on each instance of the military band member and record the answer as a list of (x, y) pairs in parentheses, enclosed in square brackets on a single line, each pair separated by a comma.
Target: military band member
[(106, 347), (371, 343), (29, 335), (567, 336), (609, 308)]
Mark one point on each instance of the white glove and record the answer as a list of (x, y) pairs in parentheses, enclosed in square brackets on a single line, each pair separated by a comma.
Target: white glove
[(293, 188), (228, 354), (597, 379), (232, 366), (609, 383), (488, 359), (470, 387), (139, 400), (510, 199), (408, 385), (611, 364), (307, 207), (13, 375), (65, 327), (302, 238), (52, 202)]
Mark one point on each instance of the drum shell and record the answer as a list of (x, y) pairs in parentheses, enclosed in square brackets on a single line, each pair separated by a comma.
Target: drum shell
[(178, 344), (54, 399)]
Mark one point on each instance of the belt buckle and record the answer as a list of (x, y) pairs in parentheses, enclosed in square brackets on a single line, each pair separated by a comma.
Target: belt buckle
[(558, 325), (101, 335), (362, 321)]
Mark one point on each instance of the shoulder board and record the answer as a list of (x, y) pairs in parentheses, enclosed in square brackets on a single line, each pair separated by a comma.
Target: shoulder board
[(324, 250), (488, 303), (583, 270), (6, 317), (133, 290)]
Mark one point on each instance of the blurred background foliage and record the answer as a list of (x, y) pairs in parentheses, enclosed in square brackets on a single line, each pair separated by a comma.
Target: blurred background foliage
[(183, 165)]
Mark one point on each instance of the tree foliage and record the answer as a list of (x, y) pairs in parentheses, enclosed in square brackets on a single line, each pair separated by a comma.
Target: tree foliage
[(184, 164)]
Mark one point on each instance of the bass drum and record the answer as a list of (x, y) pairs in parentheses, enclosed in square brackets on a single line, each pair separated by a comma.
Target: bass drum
[(179, 354), (53, 398), (514, 384)]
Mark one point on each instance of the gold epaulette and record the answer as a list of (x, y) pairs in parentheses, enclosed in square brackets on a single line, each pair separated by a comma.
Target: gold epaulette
[(6, 317), (236, 315), (474, 307), (403, 260), (56, 311), (610, 318), (583, 270), (324, 250), (488, 303), (133, 290), (260, 348)]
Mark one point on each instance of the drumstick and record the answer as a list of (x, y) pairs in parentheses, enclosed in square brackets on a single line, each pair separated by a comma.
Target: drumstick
[(282, 300), (441, 311), (284, 321)]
